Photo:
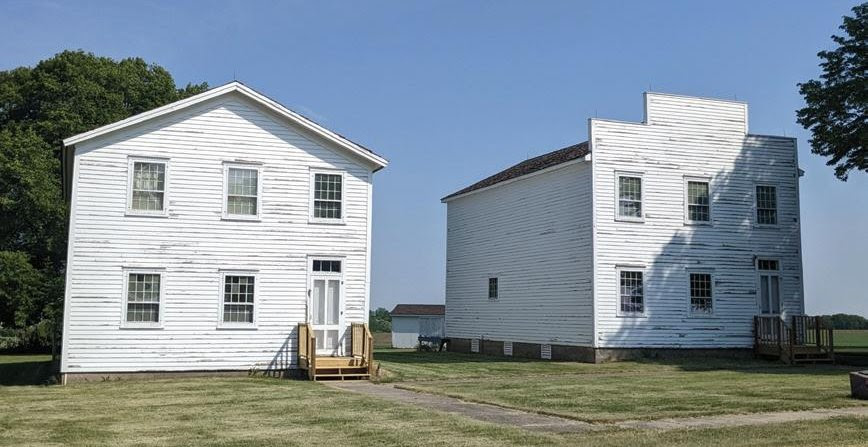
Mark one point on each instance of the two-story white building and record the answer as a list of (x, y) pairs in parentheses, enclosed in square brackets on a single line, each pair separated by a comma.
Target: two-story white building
[(203, 232), (672, 233)]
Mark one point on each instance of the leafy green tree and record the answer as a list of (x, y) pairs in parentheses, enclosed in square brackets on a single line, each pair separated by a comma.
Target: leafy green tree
[(836, 110), (380, 320), (70, 93)]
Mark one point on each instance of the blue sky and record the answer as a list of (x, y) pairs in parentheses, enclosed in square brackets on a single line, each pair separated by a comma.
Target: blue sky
[(452, 91)]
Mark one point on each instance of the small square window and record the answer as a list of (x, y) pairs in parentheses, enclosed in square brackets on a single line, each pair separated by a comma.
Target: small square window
[(701, 301), (632, 295), (492, 288), (766, 205)]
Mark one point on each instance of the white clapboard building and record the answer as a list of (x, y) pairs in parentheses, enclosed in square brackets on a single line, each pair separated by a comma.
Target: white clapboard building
[(203, 233), (670, 233)]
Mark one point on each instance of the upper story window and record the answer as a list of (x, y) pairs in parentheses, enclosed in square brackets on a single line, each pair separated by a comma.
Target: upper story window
[(327, 197), (766, 205), (147, 186), (632, 293), (142, 299), (698, 201), (492, 288), (701, 300), (629, 192), (238, 299), (241, 197)]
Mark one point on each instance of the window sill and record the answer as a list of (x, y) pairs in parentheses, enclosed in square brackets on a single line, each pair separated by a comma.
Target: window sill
[(326, 222), (631, 315), (630, 219), (240, 219), (767, 226), (237, 328), (698, 224), (129, 213), (129, 326), (698, 315)]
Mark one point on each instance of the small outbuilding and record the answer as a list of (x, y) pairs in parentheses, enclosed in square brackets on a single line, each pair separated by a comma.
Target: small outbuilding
[(411, 321)]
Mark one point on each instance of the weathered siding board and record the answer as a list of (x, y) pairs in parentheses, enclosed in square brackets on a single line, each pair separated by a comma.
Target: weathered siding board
[(691, 137), (534, 235), (193, 243)]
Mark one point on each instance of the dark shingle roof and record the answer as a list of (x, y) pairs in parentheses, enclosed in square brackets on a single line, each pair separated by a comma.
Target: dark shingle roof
[(419, 309), (528, 166)]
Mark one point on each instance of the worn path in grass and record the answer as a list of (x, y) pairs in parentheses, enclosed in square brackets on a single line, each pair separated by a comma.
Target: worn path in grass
[(554, 424)]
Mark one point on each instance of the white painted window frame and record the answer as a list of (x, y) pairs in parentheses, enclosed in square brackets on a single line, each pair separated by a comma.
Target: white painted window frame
[(131, 163), (311, 198), (242, 165), (699, 179), (631, 268), (755, 207), (256, 289), (641, 177), (777, 273), (127, 271), (690, 312)]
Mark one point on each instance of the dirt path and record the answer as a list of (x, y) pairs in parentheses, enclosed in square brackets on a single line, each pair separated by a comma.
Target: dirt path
[(554, 424)]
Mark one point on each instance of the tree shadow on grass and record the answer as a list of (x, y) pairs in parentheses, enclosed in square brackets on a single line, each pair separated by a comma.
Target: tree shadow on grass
[(27, 372)]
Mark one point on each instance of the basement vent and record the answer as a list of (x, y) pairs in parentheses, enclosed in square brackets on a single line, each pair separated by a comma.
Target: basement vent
[(474, 345), (545, 352), (507, 348)]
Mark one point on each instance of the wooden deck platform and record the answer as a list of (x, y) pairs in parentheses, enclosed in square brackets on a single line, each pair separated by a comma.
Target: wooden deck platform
[(798, 339), (357, 366)]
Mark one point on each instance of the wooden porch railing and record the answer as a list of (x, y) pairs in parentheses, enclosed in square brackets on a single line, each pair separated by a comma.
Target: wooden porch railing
[(307, 349), (801, 338), (363, 345)]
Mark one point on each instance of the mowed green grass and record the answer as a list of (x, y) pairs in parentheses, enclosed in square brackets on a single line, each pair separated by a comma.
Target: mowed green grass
[(624, 390), (851, 340)]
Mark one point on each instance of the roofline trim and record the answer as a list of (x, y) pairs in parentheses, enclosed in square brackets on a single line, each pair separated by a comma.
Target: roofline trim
[(587, 157), (257, 97)]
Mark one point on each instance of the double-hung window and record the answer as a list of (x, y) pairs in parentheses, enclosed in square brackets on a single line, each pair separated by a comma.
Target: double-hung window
[(701, 298), (698, 201), (238, 299), (327, 197), (629, 193), (142, 298), (766, 205), (147, 186), (241, 196), (631, 292)]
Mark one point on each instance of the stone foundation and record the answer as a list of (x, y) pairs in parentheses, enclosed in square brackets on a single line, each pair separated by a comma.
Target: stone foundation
[(587, 354), (67, 378)]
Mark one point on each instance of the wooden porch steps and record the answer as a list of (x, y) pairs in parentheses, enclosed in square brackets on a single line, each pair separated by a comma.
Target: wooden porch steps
[(357, 366), (798, 339)]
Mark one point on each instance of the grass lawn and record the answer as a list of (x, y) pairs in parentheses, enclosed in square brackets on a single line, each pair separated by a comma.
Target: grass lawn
[(25, 369), (851, 340), (624, 390)]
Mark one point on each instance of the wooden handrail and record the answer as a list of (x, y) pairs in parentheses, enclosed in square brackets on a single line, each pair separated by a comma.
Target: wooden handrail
[(307, 348)]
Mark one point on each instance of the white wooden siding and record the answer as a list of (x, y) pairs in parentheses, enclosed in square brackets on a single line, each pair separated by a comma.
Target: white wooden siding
[(534, 235), (687, 136), (193, 243)]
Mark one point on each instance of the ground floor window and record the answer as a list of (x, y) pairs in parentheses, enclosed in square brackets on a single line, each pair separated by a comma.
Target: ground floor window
[(238, 299), (701, 301), (143, 298), (632, 294)]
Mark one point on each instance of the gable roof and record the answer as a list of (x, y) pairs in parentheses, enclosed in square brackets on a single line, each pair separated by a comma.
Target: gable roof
[(526, 167), (418, 309), (236, 87)]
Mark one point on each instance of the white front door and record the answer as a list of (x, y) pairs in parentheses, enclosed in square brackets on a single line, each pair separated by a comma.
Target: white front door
[(326, 308), (769, 287)]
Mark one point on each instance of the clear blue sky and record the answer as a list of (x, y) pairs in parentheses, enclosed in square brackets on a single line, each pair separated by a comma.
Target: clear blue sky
[(452, 91)]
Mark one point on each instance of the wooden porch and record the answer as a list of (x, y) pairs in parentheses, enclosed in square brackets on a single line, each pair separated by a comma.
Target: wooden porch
[(798, 339), (357, 366)]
